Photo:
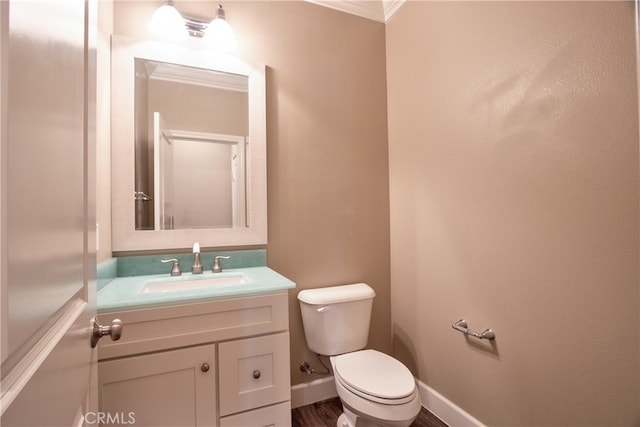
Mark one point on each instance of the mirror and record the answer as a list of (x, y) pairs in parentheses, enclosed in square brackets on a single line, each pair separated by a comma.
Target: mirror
[(201, 146), (189, 148)]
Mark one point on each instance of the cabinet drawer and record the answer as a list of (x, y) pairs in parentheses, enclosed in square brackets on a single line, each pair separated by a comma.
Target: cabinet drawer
[(276, 415), (162, 328), (254, 372)]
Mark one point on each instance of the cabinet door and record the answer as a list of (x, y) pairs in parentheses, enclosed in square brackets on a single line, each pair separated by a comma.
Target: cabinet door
[(254, 372), (163, 389)]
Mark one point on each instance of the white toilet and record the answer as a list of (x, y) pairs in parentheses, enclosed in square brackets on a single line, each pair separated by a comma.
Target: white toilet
[(375, 389)]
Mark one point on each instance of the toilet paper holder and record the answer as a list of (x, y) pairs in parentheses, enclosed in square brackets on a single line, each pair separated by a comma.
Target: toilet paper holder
[(462, 326)]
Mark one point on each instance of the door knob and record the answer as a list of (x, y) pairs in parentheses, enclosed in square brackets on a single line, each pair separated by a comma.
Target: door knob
[(114, 331)]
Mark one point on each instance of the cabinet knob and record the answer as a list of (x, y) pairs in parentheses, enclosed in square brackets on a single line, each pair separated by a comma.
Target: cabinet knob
[(204, 367), (256, 374)]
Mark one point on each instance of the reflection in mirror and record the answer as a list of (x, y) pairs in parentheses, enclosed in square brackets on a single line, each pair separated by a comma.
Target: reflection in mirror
[(188, 148), (191, 128)]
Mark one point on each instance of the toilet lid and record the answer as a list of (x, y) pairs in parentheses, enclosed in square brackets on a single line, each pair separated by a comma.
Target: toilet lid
[(375, 374)]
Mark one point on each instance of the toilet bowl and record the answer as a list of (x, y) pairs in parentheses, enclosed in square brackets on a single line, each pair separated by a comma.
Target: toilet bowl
[(375, 389)]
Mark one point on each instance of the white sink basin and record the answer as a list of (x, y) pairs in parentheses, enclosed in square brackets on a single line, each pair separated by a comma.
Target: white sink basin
[(193, 284)]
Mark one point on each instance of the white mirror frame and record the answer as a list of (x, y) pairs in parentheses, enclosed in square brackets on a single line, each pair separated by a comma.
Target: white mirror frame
[(125, 237)]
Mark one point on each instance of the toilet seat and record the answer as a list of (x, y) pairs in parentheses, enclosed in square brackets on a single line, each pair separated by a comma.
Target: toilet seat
[(375, 376)]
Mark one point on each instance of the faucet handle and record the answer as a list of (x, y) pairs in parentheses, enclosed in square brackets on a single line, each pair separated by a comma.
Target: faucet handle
[(216, 263), (175, 269)]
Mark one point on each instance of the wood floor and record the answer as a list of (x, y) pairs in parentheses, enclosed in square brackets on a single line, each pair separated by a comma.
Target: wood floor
[(326, 413)]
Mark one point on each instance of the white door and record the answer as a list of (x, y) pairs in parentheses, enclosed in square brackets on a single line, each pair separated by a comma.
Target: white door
[(238, 183), (162, 175), (209, 170), (47, 212)]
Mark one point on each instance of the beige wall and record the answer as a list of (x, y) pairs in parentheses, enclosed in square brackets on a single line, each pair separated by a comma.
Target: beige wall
[(513, 134), (326, 140), (209, 109)]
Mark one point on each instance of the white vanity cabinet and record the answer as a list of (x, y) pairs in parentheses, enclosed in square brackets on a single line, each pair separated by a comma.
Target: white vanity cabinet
[(219, 362)]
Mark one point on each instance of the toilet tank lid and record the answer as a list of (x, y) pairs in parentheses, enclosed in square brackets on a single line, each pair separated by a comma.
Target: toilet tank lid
[(336, 294)]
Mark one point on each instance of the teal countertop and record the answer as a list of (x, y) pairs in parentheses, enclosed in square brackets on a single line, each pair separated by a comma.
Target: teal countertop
[(127, 293)]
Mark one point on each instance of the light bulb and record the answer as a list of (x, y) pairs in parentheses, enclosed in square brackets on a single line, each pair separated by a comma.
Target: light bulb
[(167, 24), (219, 35)]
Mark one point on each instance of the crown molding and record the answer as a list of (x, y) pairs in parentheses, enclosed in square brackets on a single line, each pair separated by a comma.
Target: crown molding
[(375, 10), (196, 76), (390, 7)]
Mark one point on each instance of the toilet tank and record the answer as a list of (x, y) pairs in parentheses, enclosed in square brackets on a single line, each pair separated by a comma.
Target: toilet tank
[(336, 319)]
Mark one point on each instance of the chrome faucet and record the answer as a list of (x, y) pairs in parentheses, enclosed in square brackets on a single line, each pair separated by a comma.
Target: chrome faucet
[(175, 268), (196, 268), (216, 263)]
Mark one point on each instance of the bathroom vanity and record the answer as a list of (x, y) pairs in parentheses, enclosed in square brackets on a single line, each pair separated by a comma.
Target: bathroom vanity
[(202, 356), (210, 349)]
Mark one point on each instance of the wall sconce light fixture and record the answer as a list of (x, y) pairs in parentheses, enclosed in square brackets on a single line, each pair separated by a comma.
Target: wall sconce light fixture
[(169, 25)]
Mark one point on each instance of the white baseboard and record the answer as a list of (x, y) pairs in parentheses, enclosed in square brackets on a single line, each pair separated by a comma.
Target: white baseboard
[(450, 413), (324, 388), (314, 391)]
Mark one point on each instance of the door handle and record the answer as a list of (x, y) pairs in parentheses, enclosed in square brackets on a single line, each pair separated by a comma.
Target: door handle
[(98, 331)]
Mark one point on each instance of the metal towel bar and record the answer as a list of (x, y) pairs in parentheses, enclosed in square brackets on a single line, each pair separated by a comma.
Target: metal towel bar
[(462, 326)]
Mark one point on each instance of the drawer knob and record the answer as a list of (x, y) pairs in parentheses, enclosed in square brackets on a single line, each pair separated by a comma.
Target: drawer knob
[(204, 367), (256, 374)]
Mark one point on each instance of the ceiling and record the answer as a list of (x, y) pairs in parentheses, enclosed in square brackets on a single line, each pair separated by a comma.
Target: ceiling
[(376, 10)]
